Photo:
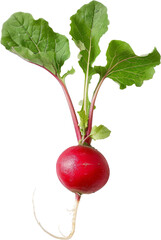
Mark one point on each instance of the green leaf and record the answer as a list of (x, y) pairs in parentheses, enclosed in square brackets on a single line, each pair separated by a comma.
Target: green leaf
[(35, 41), (69, 72), (99, 132), (125, 67), (84, 117), (83, 121), (87, 26)]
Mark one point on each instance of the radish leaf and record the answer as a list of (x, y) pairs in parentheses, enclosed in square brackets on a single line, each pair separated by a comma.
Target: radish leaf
[(99, 132), (87, 27), (69, 72), (125, 67), (83, 121), (35, 41)]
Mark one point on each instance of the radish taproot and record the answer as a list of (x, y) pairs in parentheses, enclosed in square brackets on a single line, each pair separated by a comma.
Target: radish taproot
[(81, 169)]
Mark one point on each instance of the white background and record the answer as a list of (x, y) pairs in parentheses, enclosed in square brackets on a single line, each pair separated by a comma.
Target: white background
[(36, 126)]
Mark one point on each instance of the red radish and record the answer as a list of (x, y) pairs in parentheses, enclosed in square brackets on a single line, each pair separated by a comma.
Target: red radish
[(82, 169)]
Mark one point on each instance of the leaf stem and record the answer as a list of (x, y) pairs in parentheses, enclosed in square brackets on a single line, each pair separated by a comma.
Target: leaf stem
[(86, 83), (72, 111), (88, 139), (85, 139), (70, 104)]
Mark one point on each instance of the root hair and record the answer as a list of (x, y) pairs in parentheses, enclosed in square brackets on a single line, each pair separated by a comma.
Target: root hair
[(75, 209)]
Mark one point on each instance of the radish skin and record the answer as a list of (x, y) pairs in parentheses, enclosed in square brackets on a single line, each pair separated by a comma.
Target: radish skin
[(82, 169)]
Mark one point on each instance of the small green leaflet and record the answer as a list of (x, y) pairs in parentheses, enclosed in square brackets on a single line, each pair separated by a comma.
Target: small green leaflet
[(69, 72), (100, 132), (125, 67), (35, 41), (84, 117), (87, 26), (83, 121)]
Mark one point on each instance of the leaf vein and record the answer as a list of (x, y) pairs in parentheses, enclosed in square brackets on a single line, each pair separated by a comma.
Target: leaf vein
[(30, 37)]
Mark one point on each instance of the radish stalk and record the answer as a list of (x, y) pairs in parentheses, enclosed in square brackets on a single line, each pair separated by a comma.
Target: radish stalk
[(71, 107), (88, 139)]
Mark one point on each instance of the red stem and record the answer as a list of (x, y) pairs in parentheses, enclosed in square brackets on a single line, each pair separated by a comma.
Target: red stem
[(72, 111), (70, 104), (88, 139)]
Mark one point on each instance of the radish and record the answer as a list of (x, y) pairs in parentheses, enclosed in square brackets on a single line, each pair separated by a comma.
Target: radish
[(82, 169)]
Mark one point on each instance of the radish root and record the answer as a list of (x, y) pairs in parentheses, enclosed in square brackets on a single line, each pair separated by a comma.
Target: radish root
[(75, 209)]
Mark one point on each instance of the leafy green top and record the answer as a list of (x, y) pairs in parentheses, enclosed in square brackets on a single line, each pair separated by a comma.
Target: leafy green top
[(36, 42), (125, 67)]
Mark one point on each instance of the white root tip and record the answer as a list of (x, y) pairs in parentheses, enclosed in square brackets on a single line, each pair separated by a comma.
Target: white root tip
[(63, 237)]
